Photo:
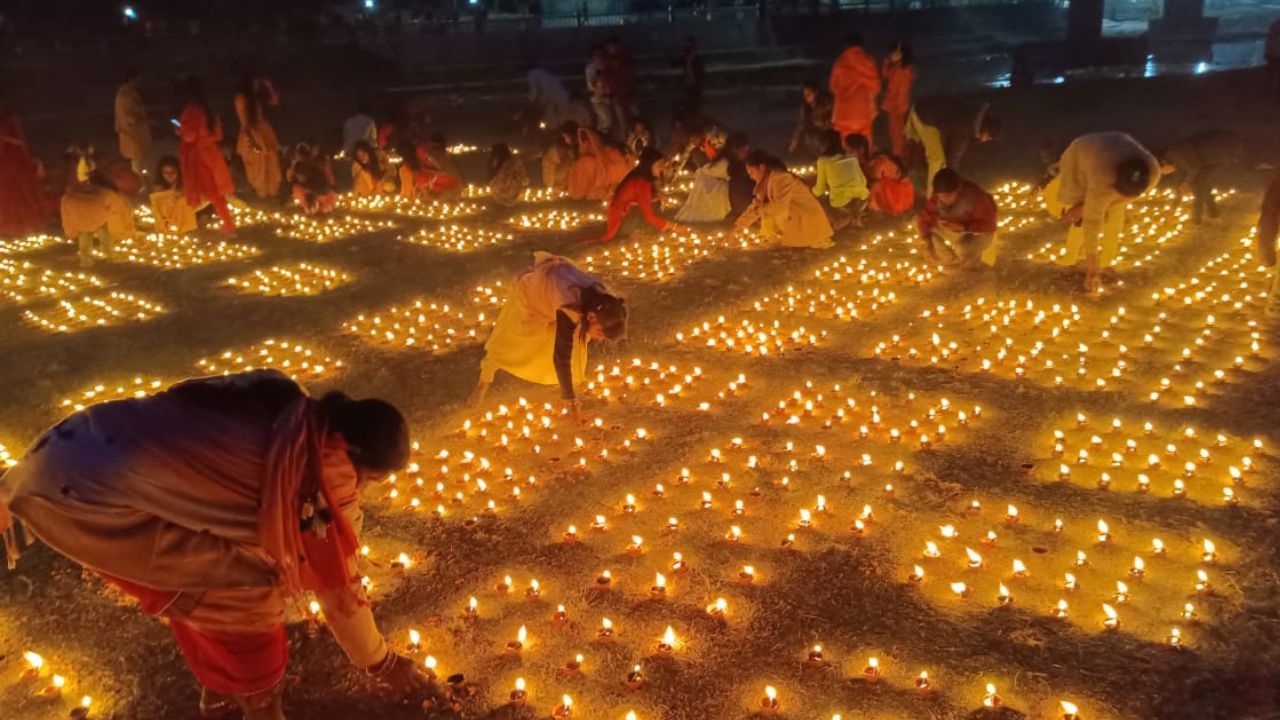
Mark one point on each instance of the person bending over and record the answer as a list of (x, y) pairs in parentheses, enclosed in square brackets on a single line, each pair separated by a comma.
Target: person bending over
[(215, 503), (553, 311)]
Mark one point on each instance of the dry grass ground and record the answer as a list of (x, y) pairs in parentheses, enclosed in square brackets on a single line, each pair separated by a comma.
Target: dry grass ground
[(848, 592)]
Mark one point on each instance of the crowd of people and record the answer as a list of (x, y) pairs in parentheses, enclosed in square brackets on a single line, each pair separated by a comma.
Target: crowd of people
[(270, 511)]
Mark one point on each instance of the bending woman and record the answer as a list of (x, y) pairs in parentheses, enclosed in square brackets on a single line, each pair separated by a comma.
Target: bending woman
[(212, 503), (632, 204), (541, 336)]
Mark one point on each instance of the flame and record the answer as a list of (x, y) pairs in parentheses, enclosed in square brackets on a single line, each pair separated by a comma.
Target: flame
[(974, 558), (522, 634), (566, 702), (669, 637), (659, 580), (33, 659), (415, 637), (1004, 591), (1110, 611), (959, 588), (1209, 547), (771, 692), (606, 624), (520, 684), (1068, 708), (1018, 567)]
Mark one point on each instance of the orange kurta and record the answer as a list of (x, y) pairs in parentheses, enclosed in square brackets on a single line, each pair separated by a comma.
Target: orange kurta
[(855, 83), (205, 175), (898, 79)]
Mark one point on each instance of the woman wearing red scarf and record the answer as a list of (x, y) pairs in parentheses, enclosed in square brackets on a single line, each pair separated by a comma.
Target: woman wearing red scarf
[(213, 503)]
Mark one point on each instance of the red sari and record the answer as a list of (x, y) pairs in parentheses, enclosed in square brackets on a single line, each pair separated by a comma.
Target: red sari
[(21, 200), (205, 176)]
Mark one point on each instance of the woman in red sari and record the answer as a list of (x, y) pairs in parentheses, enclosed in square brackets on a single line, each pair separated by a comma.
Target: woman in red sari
[(21, 199), (205, 176), (215, 503)]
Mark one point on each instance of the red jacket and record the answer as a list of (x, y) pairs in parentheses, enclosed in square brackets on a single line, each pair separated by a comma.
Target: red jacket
[(974, 211), (634, 193)]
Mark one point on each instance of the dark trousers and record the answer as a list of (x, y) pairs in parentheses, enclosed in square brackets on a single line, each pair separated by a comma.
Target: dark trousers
[(1202, 201)]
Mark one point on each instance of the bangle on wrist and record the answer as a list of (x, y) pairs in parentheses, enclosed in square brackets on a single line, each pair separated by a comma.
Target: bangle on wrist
[(383, 666)]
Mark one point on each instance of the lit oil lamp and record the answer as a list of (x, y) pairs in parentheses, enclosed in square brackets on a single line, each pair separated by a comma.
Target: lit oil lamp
[(678, 565), (1002, 596), (1112, 620), (871, 673), (1202, 585), (975, 560), (922, 682), (515, 646), (815, 658), (472, 610), (605, 634), (518, 696), (560, 616), (1121, 595), (534, 591), (564, 710), (990, 699), (931, 550), (504, 586), (634, 681), (667, 644), (1157, 547), (1060, 610), (917, 575), (1011, 515), (35, 663), (1069, 710), (572, 666), (637, 545), (1210, 553), (415, 640), (961, 590), (718, 608), (659, 589), (1189, 613), (747, 576), (769, 705), (604, 580), (1104, 532), (1174, 638)]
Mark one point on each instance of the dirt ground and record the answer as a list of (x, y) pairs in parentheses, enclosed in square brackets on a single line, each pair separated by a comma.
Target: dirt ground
[(829, 318)]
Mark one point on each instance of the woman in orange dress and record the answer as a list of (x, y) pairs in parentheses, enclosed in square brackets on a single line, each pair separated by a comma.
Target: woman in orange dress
[(205, 176), (257, 144), (899, 74), (21, 201), (598, 170)]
